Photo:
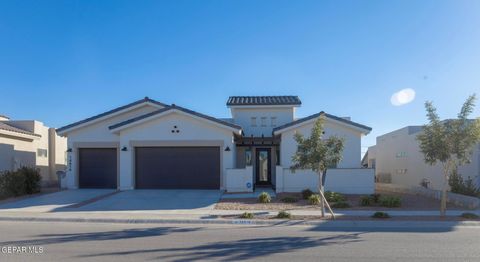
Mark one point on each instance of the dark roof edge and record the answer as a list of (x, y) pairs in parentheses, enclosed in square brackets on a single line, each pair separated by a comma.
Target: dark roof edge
[(305, 119), (144, 100), (188, 111), (296, 102)]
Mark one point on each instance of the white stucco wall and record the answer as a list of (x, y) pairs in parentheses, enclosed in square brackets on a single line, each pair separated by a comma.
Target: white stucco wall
[(242, 116), (351, 152), (342, 180), (399, 150), (239, 180), (193, 132)]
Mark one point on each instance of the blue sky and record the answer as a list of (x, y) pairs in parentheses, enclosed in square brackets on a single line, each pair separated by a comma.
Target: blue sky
[(62, 61)]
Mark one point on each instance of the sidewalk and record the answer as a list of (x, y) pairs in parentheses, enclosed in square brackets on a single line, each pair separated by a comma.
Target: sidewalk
[(208, 216)]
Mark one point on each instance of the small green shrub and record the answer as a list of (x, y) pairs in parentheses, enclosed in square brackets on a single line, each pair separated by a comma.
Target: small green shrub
[(460, 186), (247, 215), (375, 197), (366, 201), (390, 201), (32, 179), (306, 193), (284, 214), (341, 204), (264, 197), (289, 200), (380, 215), (25, 180), (314, 199), (469, 216), (334, 196)]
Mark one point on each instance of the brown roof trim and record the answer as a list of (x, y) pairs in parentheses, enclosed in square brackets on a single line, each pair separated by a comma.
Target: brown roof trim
[(146, 99)]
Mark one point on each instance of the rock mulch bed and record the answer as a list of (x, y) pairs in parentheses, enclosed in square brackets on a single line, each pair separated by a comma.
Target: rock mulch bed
[(409, 202)]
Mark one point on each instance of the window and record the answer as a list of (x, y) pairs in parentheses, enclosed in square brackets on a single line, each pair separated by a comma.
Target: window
[(401, 154), (253, 121), (42, 152), (401, 171), (273, 121), (264, 121)]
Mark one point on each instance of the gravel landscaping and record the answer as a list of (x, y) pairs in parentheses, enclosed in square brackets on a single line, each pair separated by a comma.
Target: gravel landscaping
[(409, 202)]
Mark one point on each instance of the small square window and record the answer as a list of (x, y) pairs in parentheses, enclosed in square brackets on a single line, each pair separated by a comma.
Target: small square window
[(42, 152), (253, 121), (264, 121), (273, 121)]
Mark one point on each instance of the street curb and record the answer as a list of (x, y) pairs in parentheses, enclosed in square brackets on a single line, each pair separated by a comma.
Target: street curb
[(332, 224)]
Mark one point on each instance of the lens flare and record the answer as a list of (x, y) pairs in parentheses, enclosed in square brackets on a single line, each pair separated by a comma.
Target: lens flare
[(403, 97)]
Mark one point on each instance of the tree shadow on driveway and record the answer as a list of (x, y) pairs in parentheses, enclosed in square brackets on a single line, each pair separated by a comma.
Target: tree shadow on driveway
[(238, 249), (46, 239)]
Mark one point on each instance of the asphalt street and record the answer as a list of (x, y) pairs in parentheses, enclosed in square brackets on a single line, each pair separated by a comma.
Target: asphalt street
[(59, 241)]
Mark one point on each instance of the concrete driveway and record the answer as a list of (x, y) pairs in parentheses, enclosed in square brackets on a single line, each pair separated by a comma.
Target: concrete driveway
[(141, 200), (55, 201)]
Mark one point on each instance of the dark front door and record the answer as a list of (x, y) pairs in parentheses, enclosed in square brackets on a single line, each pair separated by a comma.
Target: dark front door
[(97, 168), (177, 167), (263, 164)]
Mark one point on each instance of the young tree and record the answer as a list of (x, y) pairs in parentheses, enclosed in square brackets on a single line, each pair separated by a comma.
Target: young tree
[(318, 154), (449, 142)]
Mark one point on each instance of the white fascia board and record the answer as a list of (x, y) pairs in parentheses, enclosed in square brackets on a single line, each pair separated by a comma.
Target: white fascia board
[(361, 130), (171, 111), (66, 131)]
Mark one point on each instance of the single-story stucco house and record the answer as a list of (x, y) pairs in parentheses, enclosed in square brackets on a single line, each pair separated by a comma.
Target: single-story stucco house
[(151, 145)]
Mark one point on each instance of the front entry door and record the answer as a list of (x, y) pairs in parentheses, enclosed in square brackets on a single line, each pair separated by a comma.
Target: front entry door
[(263, 163)]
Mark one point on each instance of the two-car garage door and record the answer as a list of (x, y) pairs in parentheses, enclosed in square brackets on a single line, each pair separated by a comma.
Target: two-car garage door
[(177, 167), (155, 167)]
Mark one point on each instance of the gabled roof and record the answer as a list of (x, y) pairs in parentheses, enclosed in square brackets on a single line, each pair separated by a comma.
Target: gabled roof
[(7, 127), (113, 111), (263, 100), (314, 116), (170, 108)]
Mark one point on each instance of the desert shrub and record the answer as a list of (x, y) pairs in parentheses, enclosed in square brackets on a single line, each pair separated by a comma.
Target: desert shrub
[(247, 215), (469, 216), (32, 178), (306, 193), (284, 214), (460, 186), (366, 201), (390, 201), (314, 199), (380, 215), (264, 197), (375, 197), (25, 180), (289, 200), (341, 204), (334, 196)]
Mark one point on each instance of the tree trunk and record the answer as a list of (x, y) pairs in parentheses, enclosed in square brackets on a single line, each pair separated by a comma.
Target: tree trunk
[(443, 201), (320, 190)]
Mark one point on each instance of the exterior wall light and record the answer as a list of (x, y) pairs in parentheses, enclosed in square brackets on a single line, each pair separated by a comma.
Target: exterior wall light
[(227, 149), (124, 148), (69, 150)]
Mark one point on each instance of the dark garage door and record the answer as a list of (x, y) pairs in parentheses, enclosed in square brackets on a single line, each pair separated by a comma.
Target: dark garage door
[(98, 168), (177, 167)]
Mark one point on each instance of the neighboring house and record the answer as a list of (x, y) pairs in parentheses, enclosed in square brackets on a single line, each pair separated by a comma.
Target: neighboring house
[(148, 144), (30, 143), (398, 160)]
